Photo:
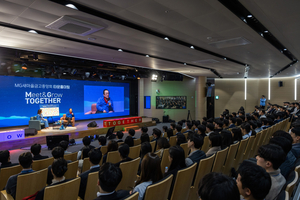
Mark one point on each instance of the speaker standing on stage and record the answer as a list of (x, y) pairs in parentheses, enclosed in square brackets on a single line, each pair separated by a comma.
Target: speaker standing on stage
[(105, 104), (41, 118), (263, 102)]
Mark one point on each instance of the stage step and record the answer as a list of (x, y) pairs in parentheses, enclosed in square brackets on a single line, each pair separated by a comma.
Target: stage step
[(131, 127)]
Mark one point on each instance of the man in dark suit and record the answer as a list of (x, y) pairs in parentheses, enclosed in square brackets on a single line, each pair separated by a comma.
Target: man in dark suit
[(5, 160), (94, 158), (123, 151), (36, 150), (120, 135), (109, 178)]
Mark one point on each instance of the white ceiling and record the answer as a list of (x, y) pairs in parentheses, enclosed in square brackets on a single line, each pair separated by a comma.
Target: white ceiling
[(198, 22)]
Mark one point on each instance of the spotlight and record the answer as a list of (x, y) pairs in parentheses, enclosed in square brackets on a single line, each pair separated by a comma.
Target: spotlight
[(147, 56), (154, 78), (120, 50), (123, 77), (249, 16), (33, 31), (71, 6), (166, 38), (87, 74), (100, 76), (192, 47)]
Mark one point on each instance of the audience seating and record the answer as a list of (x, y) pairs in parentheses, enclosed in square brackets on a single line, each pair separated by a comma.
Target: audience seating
[(291, 185), (183, 183), (134, 152), (134, 196), (165, 160), (42, 164), (160, 190), (205, 145), (230, 159), (72, 170), (220, 160), (240, 153), (64, 191), (136, 142), (173, 141), (158, 153), (91, 187), (186, 135), (150, 138), (255, 145), (283, 195), (103, 150), (119, 143), (185, 148), (71, 156), (129, 170), (153, 145), (183, 130), (205, 166), (113, 157), (5, 173), (28, 184), (165, 134), (249, 147), (86, 165)]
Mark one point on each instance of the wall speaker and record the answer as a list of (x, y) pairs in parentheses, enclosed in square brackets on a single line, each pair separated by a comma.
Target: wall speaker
[(280, 83)]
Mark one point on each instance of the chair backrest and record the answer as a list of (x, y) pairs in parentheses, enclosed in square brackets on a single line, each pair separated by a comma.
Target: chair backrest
[(72, 170), (64, 191), (91, 186), (297, 169), (136, 142), (220, 160), (86, 165), (129, 170), (185, 148), (165, 160), (183, 130), (172, 140), (119, 143), (249, 147), (205, 145), (113, 157), (42, 164), (205, 166), (160, 190), (230, 158), (290, 187), (103, 150), (153, 145), (240, 153), (186, 135), (134, 152), (134, 196), (158, 153), (37, 182), (5, 173), (150, 137), (255, 145), (262, 137), (183, 183), (71, 156)]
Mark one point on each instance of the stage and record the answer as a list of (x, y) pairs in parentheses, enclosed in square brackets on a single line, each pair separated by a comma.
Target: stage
[(80, 131)]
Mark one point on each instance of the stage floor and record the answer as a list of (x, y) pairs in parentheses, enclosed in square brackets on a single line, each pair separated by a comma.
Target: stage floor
[(80, 131)]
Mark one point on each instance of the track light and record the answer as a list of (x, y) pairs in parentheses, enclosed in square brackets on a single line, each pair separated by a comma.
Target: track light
[(123, 77), (147, 56), (87, 74), (192, 47), (166, 38), (71, 6), (120, 50), (249, 16), (33, 31)]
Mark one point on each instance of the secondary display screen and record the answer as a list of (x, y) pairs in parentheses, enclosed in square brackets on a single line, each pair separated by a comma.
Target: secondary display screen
[(22, 97)]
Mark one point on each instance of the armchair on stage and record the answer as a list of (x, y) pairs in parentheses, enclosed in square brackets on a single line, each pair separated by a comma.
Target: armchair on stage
[(34, 123)]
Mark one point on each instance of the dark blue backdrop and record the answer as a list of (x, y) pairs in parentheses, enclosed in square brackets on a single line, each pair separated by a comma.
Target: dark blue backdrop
[(21, 97)]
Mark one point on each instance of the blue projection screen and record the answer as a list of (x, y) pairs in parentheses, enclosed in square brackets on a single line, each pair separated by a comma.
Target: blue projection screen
[(21, 97)]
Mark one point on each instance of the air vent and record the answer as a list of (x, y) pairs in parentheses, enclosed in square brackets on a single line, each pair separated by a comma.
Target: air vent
[(230, 43), (208, 61), (71, 25)]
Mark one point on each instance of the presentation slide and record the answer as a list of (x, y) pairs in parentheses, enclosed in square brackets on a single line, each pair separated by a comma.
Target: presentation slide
[(22, 97)]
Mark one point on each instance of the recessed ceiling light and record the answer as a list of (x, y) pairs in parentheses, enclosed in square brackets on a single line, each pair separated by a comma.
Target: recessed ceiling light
[(245, 20), (184, 63), (71, 6), (147, 56), (249, 16), (262, 35), (166, 38), (266, 31), (225, 58), (284, 49), (192, 47), (120, 50), (33, 31)]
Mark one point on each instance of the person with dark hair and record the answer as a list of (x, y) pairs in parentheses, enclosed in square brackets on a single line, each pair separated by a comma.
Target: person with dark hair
[(177, 160), (165, 129), (59, 168), (245, 128), (266, 123), (162, 143), (112, 146), (129, 141), (195, 125), (286, 145), (236, 135), (201, 130), (239, 121), (215, 141), (120, 135), (144, 129), (36, 150), (180, 138), (109, 177), (105, 103), (180, 123), (215, 186), (253, 181), (87, 144), (270, 157), (94, 157), (170, 133), (195, 143), (123, 152), (218, 126), (258, 128), (64, 144), (5, 159), (295, 133), (145, 138), (178, 129), (172, 126), (102, 141), (145, 148), (150, 173), (156, 135), (262, 114), (25, 160), (131, 133), (204, 119), (225, 124), (232, 122), (210, 128), (226, 139), (189, 127)]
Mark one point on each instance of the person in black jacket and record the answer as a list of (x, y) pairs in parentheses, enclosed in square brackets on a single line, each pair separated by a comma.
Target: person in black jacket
[(58, 169), (123, 151), (195, 142), (36, 150), (94, 157), (5, 160), (109, 178)]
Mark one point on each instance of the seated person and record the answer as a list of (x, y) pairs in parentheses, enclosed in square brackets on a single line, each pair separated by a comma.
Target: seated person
[(64, 144), (232, 122), (102, 141), (180, 139), (218, 126), (145, 138), (295, 133), (94, 158), (215, 141), (112, 146), (25, 160), (123, 152), (58, 170), (5, 159), (120, 135), (145, 148), (195, 142), (189, 127), (86, 142), (162, 143), (71, 116), (170, 133), (178, 128), (253, 181), (270, 157), (215, 186), (210, 129), (108, 180), (41, 118), (129, 141), (105, 104), (36, 150), (131, 133), (201, 130), (156, 135), (144, 130)]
